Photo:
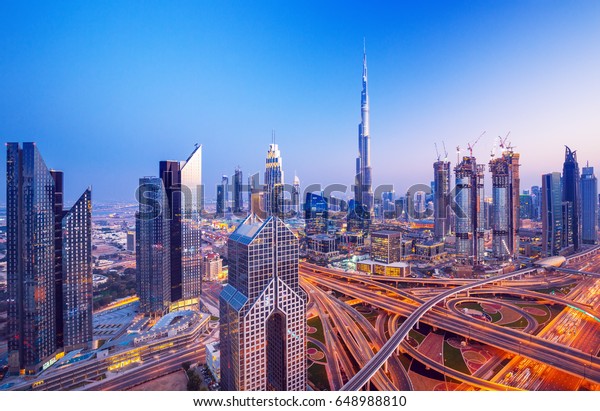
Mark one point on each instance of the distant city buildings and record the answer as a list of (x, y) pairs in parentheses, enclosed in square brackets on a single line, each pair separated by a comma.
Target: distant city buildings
[(49, 258), (263, 310)]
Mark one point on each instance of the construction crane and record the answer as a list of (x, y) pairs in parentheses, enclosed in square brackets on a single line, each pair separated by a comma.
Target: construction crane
[(471, 146), (445, 151), (503, 141), (437, 152)]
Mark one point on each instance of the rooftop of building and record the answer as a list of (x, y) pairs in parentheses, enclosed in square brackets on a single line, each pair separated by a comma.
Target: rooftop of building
[(386, 232)]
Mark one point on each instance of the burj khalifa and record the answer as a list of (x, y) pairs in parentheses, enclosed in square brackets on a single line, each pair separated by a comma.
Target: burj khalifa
[(362, 212)]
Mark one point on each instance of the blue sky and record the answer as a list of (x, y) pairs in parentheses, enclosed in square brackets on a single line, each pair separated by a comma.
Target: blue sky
[(108, 89)]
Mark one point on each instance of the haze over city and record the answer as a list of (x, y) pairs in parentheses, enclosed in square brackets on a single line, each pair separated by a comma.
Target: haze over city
[(107, 90)]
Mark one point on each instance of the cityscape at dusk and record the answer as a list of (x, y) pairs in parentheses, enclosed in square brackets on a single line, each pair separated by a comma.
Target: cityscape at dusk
[(268, 196)]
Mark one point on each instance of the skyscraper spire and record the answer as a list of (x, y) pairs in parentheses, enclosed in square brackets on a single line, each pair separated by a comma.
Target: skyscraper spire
[(363, 194)]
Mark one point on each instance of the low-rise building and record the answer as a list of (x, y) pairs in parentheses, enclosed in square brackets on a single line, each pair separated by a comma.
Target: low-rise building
[(213, 359)]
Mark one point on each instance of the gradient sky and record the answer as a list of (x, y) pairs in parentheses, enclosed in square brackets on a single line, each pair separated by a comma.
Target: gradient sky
[(108, 89)]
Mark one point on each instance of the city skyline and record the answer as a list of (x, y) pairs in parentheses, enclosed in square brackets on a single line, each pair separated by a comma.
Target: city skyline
[(130, 103)]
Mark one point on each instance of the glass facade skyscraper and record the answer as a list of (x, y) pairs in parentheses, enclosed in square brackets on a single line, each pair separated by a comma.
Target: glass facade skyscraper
[(441, 199), (192, 204), (153, 237), (77, 287), (182, 181), (316, 214), (552, 222), (263, 310), (571, 193), (48, 262), (273, 197), (362, 209), (238, 190), (589, 203)]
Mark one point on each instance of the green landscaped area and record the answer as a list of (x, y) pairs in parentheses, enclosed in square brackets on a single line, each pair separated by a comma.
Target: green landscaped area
[(541, 319), (316, 323), (416, 335), (453, 358), (495, 316), (471, 305), (318, 376)]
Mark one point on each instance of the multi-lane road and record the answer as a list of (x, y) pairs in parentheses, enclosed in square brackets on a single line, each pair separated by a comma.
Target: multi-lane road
[(566, 358)]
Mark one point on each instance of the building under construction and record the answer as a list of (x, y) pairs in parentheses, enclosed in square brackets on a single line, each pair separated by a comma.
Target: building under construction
[(441, 197), (506, 204), (470, 223)]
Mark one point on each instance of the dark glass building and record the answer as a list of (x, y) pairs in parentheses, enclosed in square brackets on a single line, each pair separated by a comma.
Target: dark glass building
[(153, 256), (316, 214), (552, 221), (571, 193), (441, 199), (48, 261), (77, 285), (182, 181), (238, 190)]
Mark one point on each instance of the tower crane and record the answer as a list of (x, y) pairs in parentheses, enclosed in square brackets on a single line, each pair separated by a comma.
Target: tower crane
[(471, 146)]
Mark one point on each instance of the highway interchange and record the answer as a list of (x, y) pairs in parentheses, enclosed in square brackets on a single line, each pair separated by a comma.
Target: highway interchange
[(559, 354)]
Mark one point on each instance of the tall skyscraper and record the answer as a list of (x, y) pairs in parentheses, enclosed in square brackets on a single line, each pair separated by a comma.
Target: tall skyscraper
[(552, 225), (220, 212), (170, 173), (238, 189), (182, 181), (48, 262), (536, 202), (273, 197), (316, 214), (441, 199), (296, 195), (263, 310), (506, 205), (571, 193), (470, 220), (360, 215), (226, 189), (77, 287), (526, 205), (589, 203), (153, 238)]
